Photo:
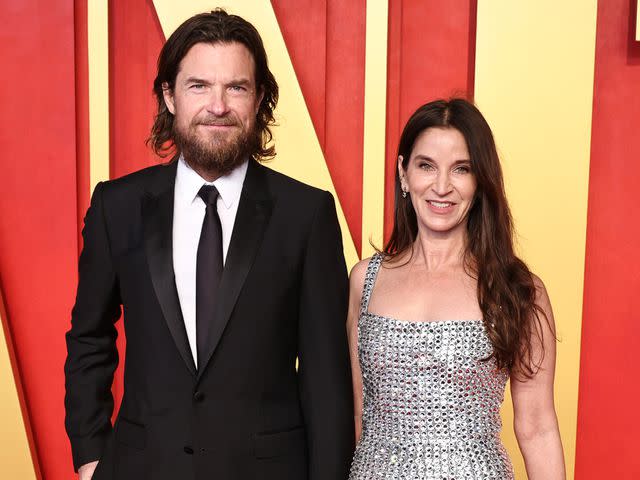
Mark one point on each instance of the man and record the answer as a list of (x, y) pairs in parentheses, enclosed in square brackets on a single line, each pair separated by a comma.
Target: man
[(226, 272)]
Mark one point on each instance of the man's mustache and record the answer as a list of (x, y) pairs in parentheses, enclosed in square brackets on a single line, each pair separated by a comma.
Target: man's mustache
[(218, 122)]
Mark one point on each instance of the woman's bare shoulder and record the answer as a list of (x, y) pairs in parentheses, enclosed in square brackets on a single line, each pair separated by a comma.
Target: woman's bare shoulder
[(358, 274), (542, 297)]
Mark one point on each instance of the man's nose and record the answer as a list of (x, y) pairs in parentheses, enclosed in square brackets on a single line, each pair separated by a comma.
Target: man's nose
[(218, 104)]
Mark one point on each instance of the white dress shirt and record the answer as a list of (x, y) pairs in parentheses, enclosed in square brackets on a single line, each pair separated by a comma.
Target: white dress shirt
[(188, 215)]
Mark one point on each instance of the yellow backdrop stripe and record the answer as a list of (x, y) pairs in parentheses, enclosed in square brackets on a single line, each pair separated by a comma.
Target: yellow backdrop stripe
[(15, 456), (638, 22), (375, 93), (299, 152), (98, 52), (534, 83)]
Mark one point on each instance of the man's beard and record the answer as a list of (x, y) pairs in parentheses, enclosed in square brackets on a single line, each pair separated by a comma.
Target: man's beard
[(220, 152)]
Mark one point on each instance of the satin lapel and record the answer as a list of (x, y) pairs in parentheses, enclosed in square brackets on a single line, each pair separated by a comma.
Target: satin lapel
[(251, 221), (157, 214)]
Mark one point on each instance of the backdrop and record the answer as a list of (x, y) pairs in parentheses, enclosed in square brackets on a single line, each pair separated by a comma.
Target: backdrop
[(558, 81)]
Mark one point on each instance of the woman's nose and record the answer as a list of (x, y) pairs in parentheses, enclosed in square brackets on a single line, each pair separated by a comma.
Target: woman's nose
[(442, 185)]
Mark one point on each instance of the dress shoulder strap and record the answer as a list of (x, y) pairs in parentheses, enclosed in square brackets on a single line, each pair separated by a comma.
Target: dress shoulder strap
[(370, 280)]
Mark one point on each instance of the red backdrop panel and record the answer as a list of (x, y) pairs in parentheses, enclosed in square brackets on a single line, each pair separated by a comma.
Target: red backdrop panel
[(346, 38), (135, 40), (304, 27), (608, 415), (82, 114), (38, 224)]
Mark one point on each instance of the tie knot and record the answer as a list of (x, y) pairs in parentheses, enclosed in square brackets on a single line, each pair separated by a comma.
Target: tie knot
[(209, 194)]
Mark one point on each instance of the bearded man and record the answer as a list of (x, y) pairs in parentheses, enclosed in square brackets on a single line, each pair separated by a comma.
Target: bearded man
[(227, 272)]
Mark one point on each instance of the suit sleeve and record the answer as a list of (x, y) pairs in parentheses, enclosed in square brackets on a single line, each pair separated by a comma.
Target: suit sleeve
[(324, 368), (91, 350)]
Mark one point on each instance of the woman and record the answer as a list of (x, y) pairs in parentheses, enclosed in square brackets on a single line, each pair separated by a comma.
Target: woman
[(447, 313)]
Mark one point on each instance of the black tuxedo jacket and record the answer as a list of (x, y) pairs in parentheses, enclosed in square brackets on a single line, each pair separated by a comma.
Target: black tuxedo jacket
[(246, 413)]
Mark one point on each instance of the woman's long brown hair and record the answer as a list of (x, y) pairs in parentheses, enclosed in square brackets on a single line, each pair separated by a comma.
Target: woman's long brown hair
[(506, 289)]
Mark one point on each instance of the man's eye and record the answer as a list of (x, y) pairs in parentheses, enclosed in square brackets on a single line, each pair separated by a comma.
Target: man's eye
[(237, 88), (197, 86)]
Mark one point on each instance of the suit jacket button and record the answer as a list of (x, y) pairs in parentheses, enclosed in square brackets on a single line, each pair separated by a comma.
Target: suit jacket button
[(188, 450), (198, 396)]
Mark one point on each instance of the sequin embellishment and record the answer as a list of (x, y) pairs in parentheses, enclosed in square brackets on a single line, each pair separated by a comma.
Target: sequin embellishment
[(431, 403)]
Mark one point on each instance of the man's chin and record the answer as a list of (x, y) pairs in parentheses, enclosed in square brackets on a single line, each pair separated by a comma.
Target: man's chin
[(217, 137), (215, 152)]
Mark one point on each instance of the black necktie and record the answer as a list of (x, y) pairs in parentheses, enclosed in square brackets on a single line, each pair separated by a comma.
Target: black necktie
[(208, 270)]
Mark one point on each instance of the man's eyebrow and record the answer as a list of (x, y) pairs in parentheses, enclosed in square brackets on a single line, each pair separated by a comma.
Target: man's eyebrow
[(239, 81), (196, 80)]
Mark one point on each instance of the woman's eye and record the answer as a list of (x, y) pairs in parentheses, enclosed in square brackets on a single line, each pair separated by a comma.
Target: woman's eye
[(463, 169), (425, 166)]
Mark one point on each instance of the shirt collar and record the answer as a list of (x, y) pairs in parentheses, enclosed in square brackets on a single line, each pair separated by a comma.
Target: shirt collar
[(188, 184)]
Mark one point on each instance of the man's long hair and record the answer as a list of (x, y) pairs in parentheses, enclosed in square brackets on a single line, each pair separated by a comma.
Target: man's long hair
[(506, 289), (213, 27)]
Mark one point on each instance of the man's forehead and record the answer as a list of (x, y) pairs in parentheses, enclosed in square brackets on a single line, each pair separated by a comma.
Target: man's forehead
[(221, 56)]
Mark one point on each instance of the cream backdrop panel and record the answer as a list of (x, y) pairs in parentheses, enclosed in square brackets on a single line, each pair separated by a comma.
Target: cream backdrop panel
[(375, 125), (15, 456), (534, 83), (638, 22), (299, 152), (98, 65)]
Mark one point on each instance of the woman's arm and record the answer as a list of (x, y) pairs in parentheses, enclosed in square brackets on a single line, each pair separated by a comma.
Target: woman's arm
[(535, 421), (356, 284)]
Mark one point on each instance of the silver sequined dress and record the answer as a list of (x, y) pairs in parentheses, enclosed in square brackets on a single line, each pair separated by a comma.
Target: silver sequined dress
[(431, 404)]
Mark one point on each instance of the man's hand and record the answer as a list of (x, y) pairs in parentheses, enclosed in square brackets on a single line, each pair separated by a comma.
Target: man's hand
[(85, 472)]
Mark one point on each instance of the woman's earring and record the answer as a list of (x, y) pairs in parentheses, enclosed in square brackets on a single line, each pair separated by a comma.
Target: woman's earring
[(404, 193)]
